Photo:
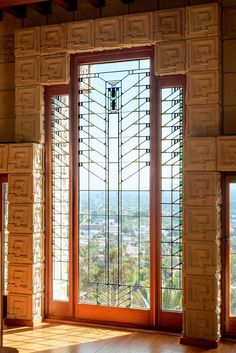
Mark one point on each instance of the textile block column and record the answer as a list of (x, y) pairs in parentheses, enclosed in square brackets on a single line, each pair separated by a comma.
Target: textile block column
[(202, 188), (26, 229)]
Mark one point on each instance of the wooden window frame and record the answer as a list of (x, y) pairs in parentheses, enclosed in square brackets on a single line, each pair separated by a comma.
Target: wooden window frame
[(166, 320)]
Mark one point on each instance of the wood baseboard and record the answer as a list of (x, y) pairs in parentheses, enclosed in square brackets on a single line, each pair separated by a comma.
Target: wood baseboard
[(200, 342), (18, 322)]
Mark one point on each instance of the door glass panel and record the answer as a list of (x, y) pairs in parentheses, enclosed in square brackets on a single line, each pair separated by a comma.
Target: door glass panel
[(171, 198), (5, 235), (60, 196), (232, 235), (114, 169)]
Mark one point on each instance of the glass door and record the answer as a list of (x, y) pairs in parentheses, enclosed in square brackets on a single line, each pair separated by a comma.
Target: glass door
[(3, 248), (230, 254), (114, 190)]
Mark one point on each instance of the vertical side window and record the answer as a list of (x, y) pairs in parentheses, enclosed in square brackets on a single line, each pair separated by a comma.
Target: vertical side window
[(232, 247), (171, 197), (60, 196)]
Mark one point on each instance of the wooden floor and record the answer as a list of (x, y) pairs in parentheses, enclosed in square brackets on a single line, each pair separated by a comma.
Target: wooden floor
[(63, 338)]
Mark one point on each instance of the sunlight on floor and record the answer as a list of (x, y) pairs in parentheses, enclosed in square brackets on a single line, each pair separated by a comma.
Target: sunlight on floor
[(56, 336)]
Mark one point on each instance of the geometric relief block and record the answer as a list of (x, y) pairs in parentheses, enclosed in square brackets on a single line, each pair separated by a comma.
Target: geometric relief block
[(109, 32), (79, 36), (170, 58), (3, 158), (20, 188), (201, 223), (138, 29), (7, 47), (52, 39), (203, 54), (55, 69), (229, 23), (30, 128), (20, 279), (25, 188), (27, 71), (29, 100), (25, 279), (226, 153), (20, 218), (200, 153), (201, 189), (201, 258), (27, 42), (201, 324), (26, 218), (203, 120), (200, 293), (25, 158), (20, 249), (202, 21), (19, 306), (203, 87), (169, 25), (24, 307)]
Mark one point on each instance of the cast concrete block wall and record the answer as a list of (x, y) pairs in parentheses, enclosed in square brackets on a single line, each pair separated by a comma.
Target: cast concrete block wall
[(187, 40)]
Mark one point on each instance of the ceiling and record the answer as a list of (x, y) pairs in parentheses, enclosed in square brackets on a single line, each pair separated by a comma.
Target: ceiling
[(18, 8)]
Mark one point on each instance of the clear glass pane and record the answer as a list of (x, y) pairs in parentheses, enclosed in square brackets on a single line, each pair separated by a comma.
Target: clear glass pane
[(60, 196), (5, 235), (171, 197), (114, 169), (232, 235)]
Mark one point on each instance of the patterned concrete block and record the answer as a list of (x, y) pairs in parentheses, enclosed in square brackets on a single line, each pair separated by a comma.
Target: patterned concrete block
[(29, 100), (25, 188), (30, 128), (202, 21), (109, 32), (55, 69), (201, 223), (27, 71), (200, 154), (226, 153), (201, 324), (80, 36), (25, 158), (203, 87), (27, 42), (203, 54), (203, 120), (138, 29), (169, 25), (201, 258), (170, 58), (7, 48), (201, 189), (52, 39)]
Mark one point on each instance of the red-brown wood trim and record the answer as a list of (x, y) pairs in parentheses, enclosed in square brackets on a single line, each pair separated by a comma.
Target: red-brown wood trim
[(171, 320), (52, 307)]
